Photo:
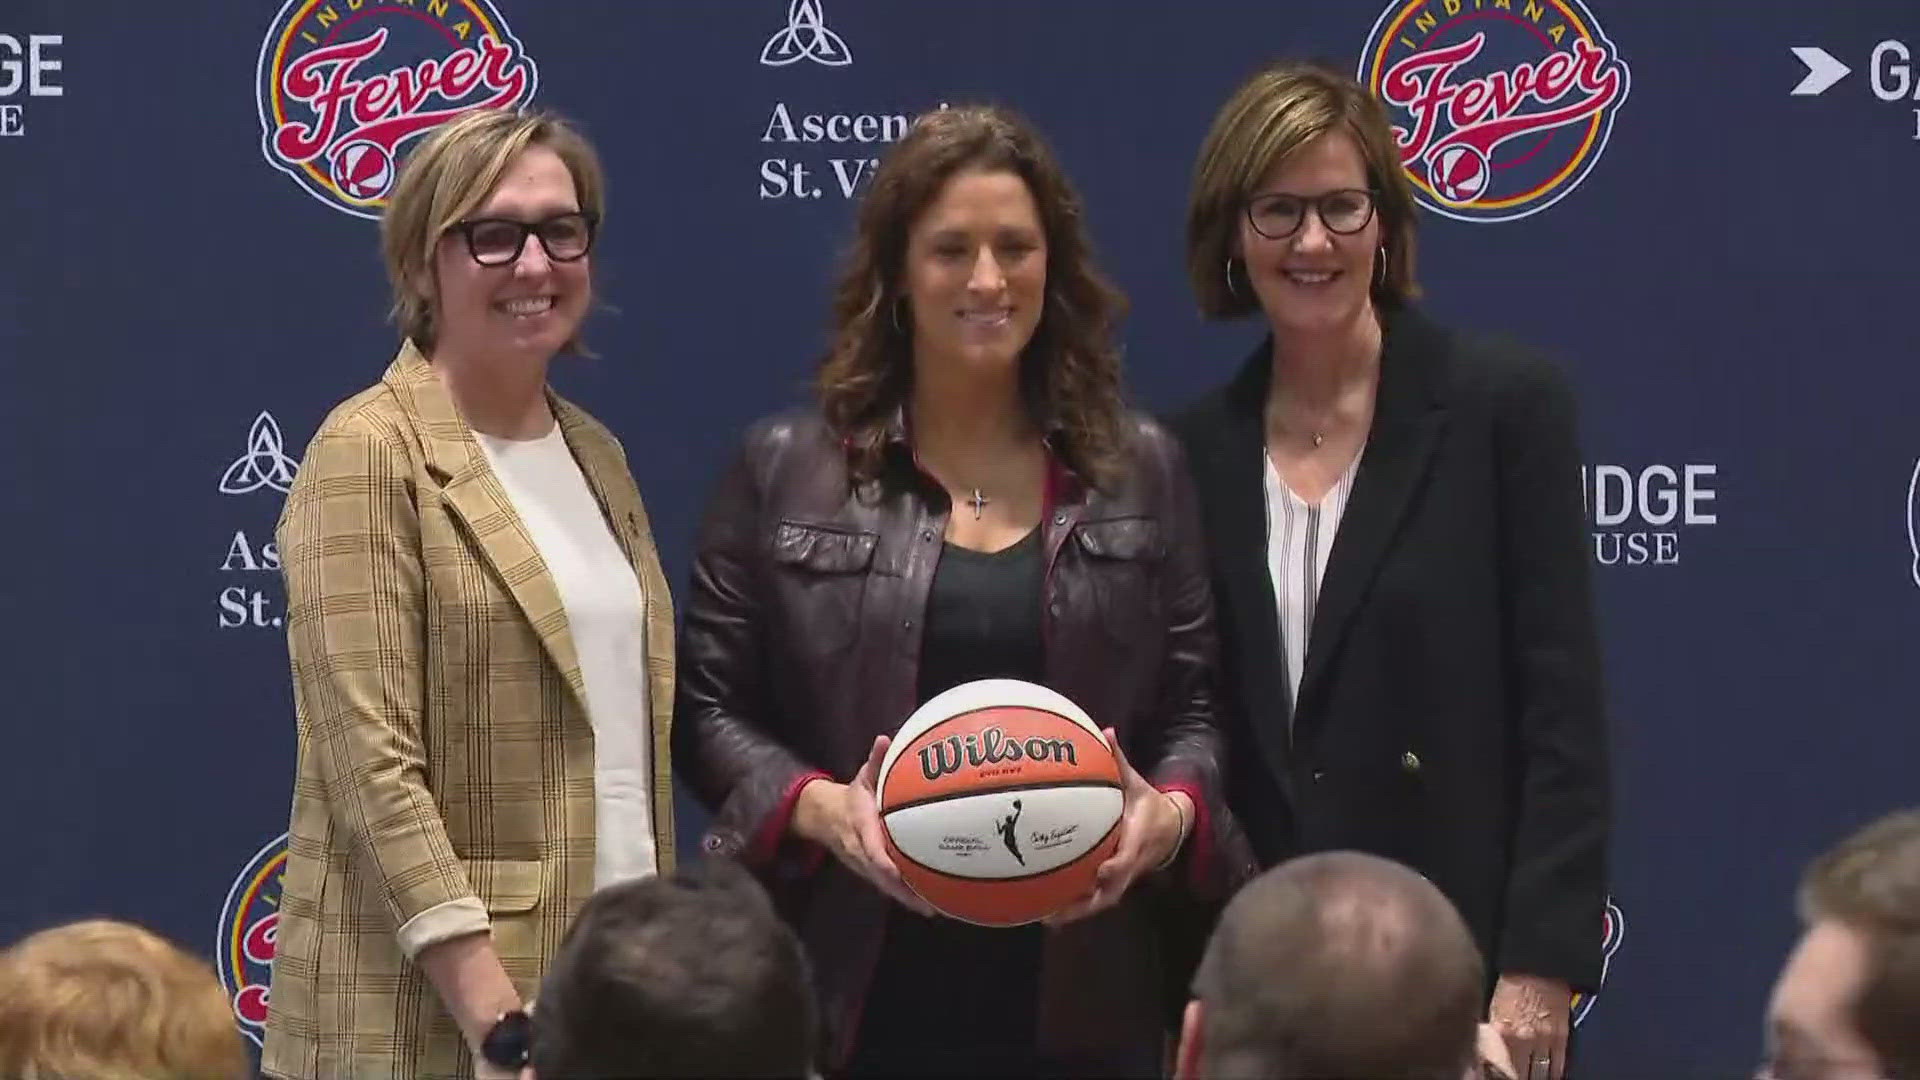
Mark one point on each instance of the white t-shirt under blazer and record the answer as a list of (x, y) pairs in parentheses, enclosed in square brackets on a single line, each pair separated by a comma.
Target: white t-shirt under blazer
[(607, 618)]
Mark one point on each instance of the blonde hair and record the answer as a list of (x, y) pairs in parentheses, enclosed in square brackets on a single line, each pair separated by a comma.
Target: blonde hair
[(447, 177), (1272, 115), (103, 1000)]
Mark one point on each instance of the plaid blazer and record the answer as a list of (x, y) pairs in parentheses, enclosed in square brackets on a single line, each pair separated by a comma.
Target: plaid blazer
[(445, 773)]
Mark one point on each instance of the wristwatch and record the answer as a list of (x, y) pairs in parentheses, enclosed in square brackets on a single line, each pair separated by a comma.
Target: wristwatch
[(509, 1042)]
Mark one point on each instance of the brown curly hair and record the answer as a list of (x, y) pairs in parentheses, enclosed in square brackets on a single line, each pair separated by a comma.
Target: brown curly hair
[(1069, 371)]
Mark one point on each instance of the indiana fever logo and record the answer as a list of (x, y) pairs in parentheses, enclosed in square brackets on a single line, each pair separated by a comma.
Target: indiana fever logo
[(1913, 520), (1501, 107), (243, 950), (344, 84), (1612, 933)]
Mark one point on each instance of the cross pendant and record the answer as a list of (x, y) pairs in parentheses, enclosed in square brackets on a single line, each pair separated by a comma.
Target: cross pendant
[(977, 502)]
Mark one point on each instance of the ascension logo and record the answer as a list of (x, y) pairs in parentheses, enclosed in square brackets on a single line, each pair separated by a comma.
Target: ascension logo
[(806, 37), (1500, 107), (264, 464), (1612, 933), (243, 947), (252, 593), (342, 85)]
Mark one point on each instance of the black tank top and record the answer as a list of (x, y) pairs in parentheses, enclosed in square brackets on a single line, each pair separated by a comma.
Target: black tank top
[(949, 999), (983, 616)]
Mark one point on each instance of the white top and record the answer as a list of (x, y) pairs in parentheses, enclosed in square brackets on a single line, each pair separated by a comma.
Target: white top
[(607, 618), (1299, 536)]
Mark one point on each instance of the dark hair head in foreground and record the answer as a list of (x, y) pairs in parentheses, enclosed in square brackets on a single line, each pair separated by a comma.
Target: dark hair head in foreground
[(691, 974), (1849, 996), (1337, 965)]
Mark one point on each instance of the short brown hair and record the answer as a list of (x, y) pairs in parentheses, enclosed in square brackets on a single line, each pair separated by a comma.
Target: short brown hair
[(448, 176), (1270, 116), (1870, 883), (690, 973), (1339, 965), (103, 1000), (1070, 371)]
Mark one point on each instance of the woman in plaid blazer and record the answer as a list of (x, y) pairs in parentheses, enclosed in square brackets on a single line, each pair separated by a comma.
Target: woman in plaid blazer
[(480, 633)]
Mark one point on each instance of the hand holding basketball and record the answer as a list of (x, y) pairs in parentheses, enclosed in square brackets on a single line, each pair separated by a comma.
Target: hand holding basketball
[(845, 819), (1150, 827)]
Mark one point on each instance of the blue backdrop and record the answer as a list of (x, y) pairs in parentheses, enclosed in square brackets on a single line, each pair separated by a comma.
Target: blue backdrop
[(1724, 255)]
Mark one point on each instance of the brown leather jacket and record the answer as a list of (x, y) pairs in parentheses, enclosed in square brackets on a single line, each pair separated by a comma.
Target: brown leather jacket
[(801, 643)]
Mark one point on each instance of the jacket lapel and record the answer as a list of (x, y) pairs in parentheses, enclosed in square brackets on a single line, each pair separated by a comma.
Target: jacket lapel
[(608, 477), (1235, 457), (1407, 421), (475, 496)]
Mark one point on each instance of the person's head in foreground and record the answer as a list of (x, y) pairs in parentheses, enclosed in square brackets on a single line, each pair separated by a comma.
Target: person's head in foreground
[(102, 1000), (1847, 1005), (1336, 966), (689, 974)]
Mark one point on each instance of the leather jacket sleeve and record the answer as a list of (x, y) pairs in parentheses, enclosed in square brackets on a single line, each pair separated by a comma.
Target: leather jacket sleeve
[(725, 741), (1217, 858)]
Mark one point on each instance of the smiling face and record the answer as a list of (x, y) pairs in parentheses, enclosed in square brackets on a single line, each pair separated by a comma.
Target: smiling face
[(976, 272), (1309, 265), (532, 305)]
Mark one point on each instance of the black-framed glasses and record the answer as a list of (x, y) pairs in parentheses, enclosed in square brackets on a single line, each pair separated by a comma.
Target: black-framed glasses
[(1278, 216), (499, 241)]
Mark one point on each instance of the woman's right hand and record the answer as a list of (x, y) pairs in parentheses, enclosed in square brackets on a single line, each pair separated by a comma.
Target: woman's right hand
[(845, 819)]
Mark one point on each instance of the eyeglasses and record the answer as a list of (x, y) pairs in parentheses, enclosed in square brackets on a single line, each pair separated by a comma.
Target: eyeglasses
[(499, 241), (1279, 216)]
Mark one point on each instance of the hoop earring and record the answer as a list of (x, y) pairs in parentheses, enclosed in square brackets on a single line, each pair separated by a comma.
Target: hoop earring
[(893, 312), (1380, 268), (1231, 291)]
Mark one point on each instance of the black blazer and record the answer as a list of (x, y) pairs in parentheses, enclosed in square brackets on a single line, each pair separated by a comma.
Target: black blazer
[(1450, 710)]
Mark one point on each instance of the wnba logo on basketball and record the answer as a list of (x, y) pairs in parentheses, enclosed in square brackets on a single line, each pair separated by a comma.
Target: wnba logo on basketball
[(243, 949), (344, 84), (990, 747), (1500, 107)]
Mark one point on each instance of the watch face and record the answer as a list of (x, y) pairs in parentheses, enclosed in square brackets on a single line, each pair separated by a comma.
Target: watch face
[(510, 1042)]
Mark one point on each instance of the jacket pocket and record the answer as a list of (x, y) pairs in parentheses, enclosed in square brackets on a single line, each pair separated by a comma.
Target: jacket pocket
[(822, 579), (506, 886), (512, 891), (1122, 557)]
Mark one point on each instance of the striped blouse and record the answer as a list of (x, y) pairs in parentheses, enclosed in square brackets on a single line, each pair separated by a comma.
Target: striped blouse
[(1299, 536)]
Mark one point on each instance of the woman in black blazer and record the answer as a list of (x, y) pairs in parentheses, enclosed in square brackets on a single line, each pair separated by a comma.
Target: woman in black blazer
[(1398, 555)]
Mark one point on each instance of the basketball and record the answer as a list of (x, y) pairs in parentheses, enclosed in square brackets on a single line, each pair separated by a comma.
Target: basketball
[(1000, 799)]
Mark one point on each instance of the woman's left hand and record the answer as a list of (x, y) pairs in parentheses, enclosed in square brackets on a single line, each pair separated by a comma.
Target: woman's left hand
[(1532, 1013), (1151, 824)]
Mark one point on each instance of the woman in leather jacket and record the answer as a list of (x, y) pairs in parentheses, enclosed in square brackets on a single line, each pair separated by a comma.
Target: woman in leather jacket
[(968, 499)]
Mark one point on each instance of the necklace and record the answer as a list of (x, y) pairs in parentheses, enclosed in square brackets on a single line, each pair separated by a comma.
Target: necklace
[(977, 502)]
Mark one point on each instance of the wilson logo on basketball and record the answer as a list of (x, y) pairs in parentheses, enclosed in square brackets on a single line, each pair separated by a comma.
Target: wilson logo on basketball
[(990, 747), (343, 85), (1500, 107)]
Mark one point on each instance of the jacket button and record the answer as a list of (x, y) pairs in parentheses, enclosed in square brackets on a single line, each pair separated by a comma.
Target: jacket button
[(1410, 762), (712, 843), (1319, 775), (926, 534), (906, 624), (1054, 609), (1059, 519)]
